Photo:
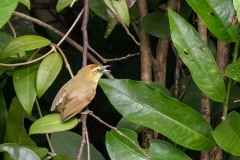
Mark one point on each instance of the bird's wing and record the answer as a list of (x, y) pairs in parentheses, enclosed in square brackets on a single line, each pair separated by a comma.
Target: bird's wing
[(77, 104), (61, 96)]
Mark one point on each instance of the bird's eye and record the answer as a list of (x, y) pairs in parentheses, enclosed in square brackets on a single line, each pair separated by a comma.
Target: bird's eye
[(98, 70)]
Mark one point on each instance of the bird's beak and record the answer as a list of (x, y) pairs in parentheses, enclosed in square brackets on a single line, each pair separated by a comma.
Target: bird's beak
[(104, 69)]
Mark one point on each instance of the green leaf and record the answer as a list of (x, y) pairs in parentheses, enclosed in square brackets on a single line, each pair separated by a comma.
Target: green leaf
[(198, 58), (217, 16), (24, 81), (122, 9), (148, 106), (233, 71), (16, 132), (26, 3), (3, 116), (18, 152), (120, 148), (61, 4), (47, 72), (156, 24), (99, 8), (6, 9), (23, 43), (52, 123), (161, 150), (227, 134), (67, 143)]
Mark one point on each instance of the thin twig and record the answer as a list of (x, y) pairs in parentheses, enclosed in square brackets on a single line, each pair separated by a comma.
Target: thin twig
[(119, 132), (83, 139), (12, 29), (28, 62), (65, 60), (88, 145), (71, 28), (113, 59), (73, 3), (47, 136), (120, 20), (33, 55), (54, 30)]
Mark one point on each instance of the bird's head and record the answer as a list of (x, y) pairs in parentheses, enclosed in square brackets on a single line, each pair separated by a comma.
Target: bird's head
[(93, 71)]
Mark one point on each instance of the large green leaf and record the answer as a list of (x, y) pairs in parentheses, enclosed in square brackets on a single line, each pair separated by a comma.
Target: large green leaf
[(156, 24), (52, 123), (233, 71), (23, 43), (47, 72), (6, 9), (67, 143), (18, 152), (16, 132), (227, 134), (217, 15), (148, 106), (3, 116), (161, 150), (120, 148), (197, 57), (24, 81)]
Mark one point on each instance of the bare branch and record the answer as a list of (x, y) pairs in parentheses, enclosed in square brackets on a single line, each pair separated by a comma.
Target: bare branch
[(28, 62), (71, 28), (65, 60), (113, 59), (69, 40)]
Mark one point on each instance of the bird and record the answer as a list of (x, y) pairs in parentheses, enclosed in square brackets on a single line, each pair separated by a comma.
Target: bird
[(78, 92)]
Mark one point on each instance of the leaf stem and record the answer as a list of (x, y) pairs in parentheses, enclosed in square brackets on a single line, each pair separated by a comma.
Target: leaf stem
[(226, 101)]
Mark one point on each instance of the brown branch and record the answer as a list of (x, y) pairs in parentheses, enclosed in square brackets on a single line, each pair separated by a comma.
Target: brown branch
[(28, 62), (205, 102), (85, 32), (145, 49), (83, 138), (12, 29), (121, 22), (71, 28), (160, 63), (65, 60), (113, 59), (69, 40), (146, 63), (119, 132), (84, 63)]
